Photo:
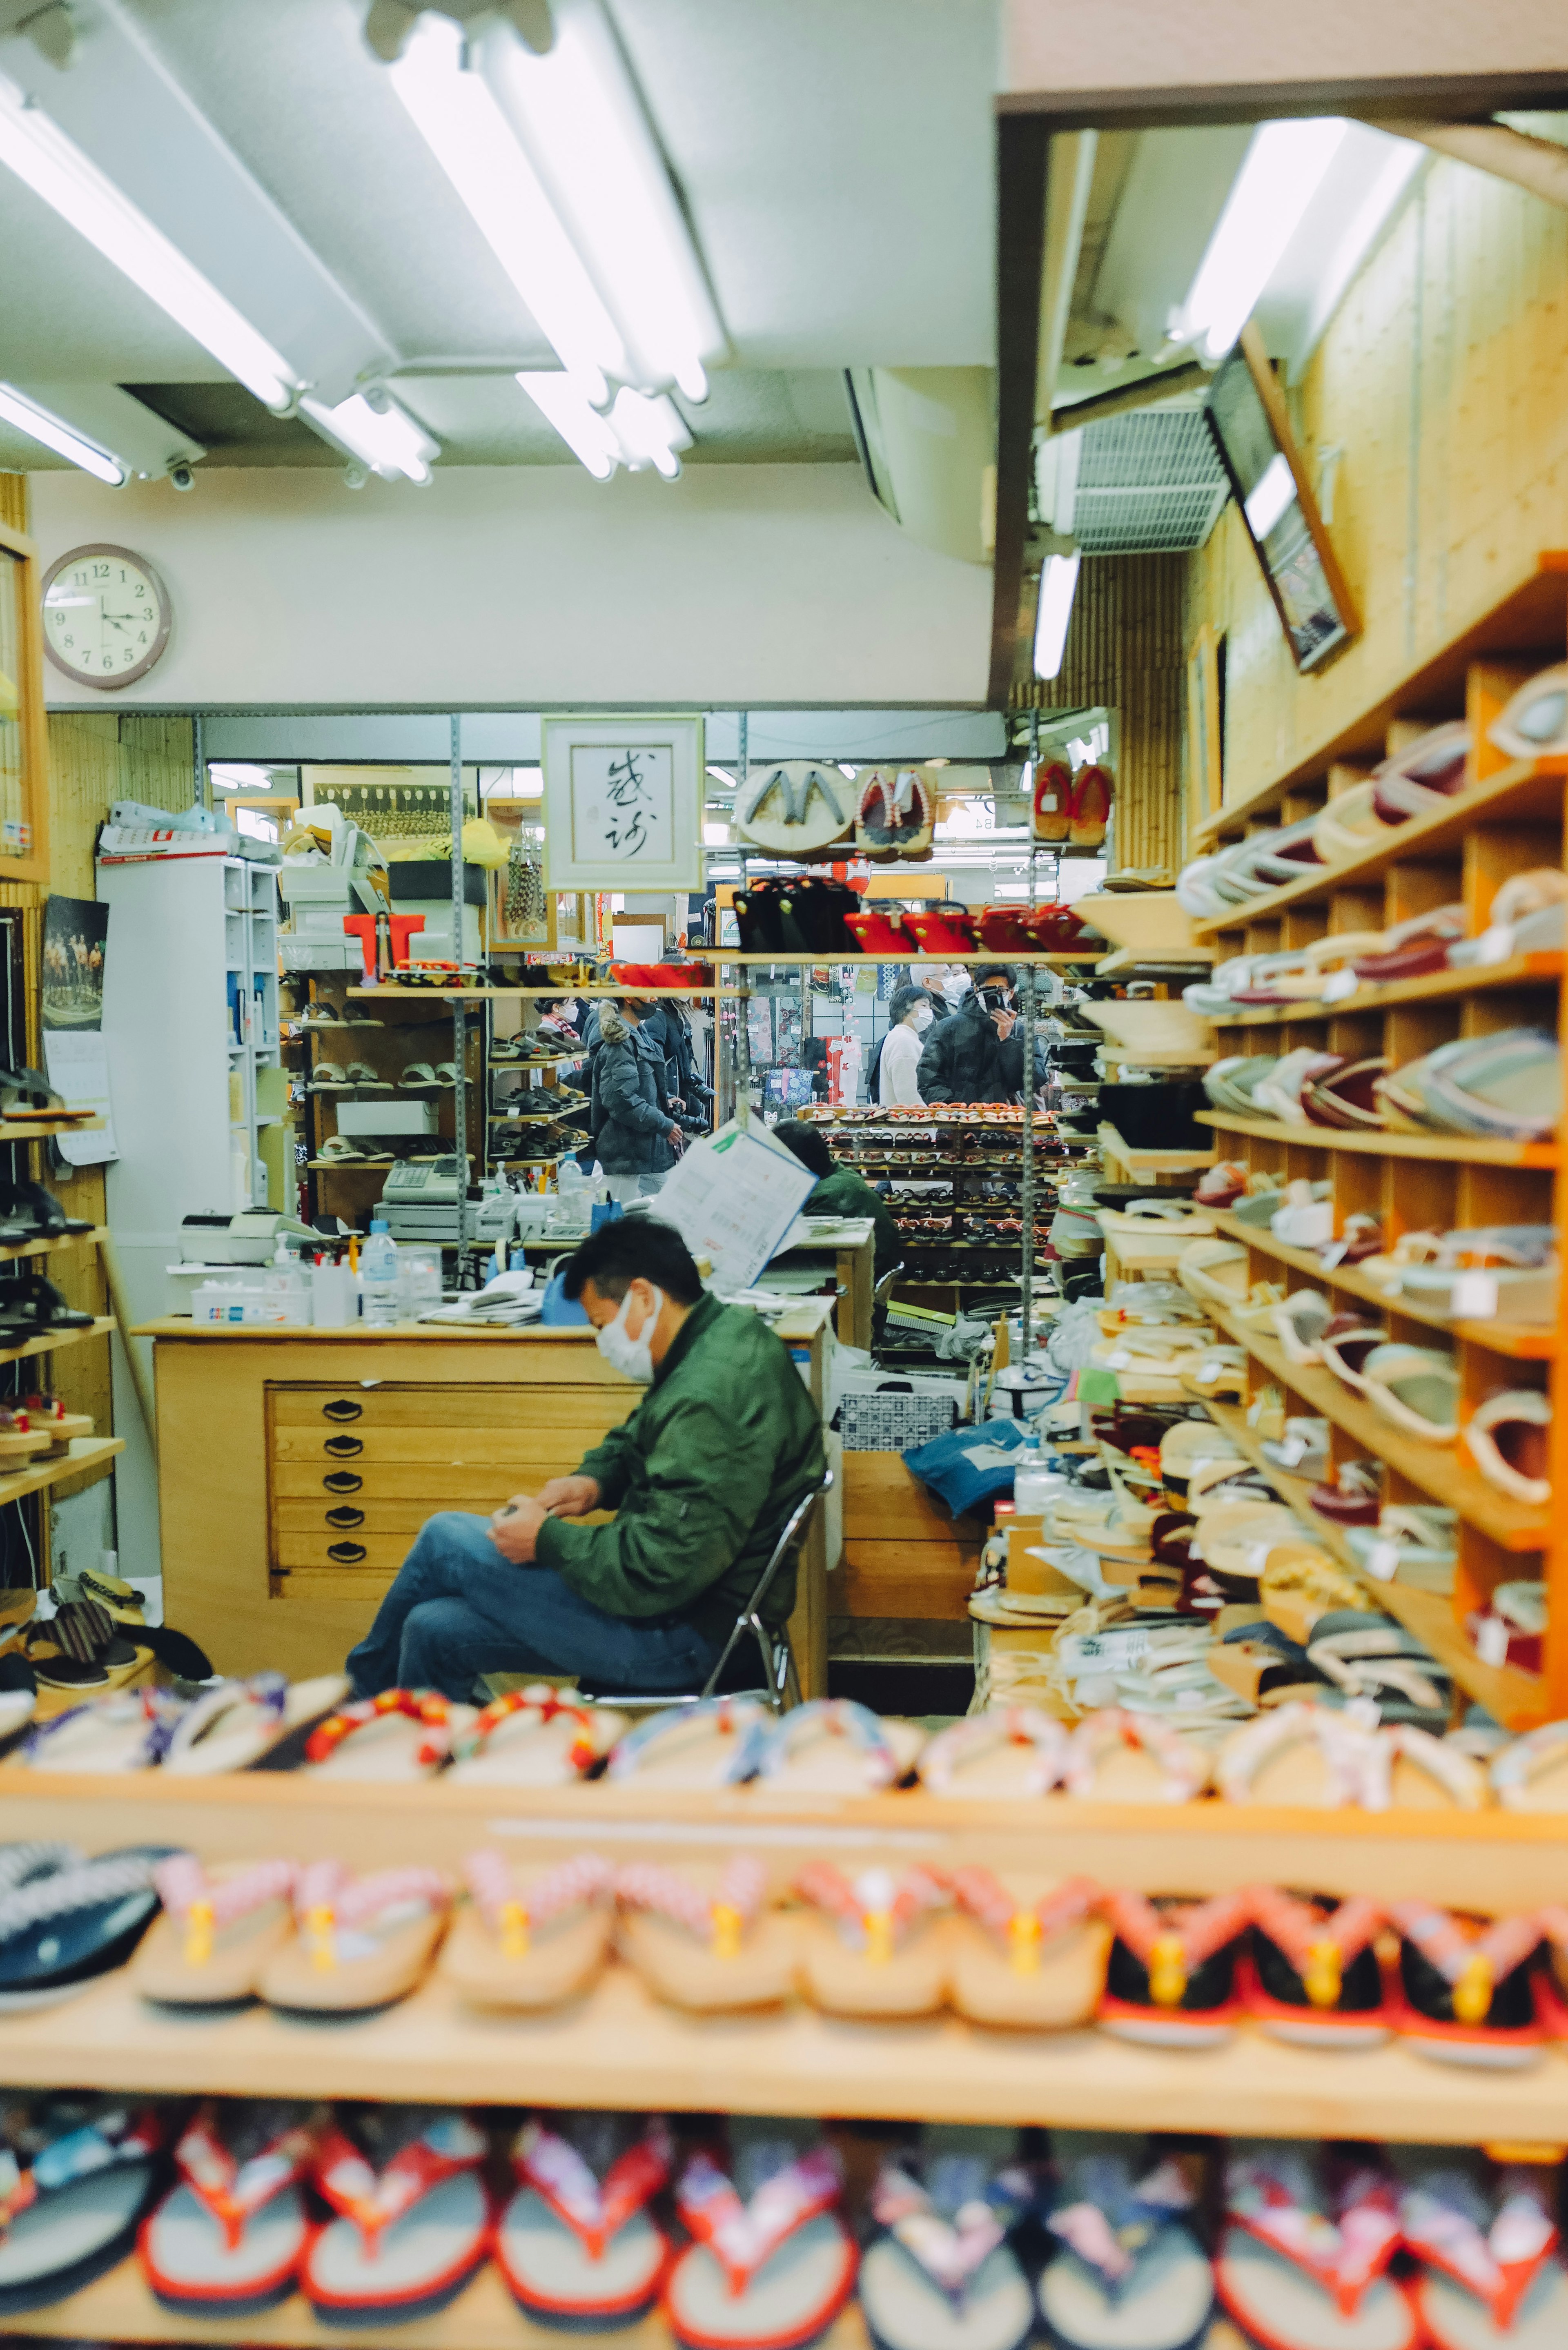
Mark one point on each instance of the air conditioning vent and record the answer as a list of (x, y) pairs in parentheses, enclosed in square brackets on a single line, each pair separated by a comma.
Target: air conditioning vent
[(1148, 484)]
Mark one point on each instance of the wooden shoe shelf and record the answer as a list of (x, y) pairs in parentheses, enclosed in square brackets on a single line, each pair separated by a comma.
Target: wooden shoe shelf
[(1508, 819)]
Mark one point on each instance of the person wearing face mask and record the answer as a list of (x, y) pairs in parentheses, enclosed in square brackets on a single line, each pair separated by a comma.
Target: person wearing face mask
[(910, 1016), (975, 1057), (701, 1479)]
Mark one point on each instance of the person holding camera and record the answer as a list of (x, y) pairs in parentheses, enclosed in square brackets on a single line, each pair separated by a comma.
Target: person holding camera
[(974, 1056)]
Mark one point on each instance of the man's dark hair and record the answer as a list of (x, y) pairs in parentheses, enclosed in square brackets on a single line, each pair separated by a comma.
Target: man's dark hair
[(630, 1248), (1002, 970), (807, 1145)]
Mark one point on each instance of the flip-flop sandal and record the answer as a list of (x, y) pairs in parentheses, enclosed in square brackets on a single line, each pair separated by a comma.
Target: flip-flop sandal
[(230, 1727), (942, 2276), (1026, 1956), (578, 2249), (393, 1739), (227, 2241), (360, 1072), (1010, 1751), (64, 1925), (361, 1942), (832, 1746), (533, 1738), (701, 1745), (218, 1931), (1431, 1774), (418, 1073), (325, 1076), (530, 1942), (47, 1413), (335, 1147), (1464, 1990), (412, 2230), (1310, 1974), (1532, 1775), (770, 2273), (19, 1439), (1170, 1980), (706, 1939), (72, 2213), (1491, 2279), (129, 1730), (446, 1073), (1304, 1755), (1130, 2275), (872, 1946), (1301, 2265), (1120, 1757)]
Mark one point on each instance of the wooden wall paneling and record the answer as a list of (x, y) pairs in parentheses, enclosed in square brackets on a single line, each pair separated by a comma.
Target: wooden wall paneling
[(14, 501)]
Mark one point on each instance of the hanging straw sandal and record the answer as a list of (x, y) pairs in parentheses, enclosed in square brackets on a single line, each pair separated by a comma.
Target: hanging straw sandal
[(530, 1939), (706, 1939)]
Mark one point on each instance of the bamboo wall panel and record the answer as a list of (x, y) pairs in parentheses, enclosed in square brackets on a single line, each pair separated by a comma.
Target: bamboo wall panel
[(1126, 647), (1440, 382), (14, 501)]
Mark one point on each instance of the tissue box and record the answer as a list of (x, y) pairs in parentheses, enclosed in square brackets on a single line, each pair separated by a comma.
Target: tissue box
[(385, 1118)]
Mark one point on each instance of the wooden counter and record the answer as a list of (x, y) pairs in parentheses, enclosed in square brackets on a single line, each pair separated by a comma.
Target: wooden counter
[(296, 1467)]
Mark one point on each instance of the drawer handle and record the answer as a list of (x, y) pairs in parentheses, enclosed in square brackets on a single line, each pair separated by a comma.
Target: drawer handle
[(344, 1448), (342, 1480), (342, 1408), (346, 1554), (345, 1518)]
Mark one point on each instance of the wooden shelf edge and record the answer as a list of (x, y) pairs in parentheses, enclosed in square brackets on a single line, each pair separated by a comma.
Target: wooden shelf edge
[(1519, 970), (27, 1130), (1454, 1146), (46, 1248), (96, 1452), (51, 1339)]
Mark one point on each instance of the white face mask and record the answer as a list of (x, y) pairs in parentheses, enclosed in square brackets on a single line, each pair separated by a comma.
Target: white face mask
[(921, 1017), (633, 1357), (956, 985)]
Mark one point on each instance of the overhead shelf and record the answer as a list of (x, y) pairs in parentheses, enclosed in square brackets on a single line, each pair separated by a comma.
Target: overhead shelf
[(85, 1453), (1459, 1148), (27, 1130), (15, 1249), (1437, 987), (51, 1339)]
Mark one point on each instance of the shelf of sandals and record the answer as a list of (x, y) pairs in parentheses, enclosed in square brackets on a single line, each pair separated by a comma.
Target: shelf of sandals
[(1388, 988), (347, 1054), (435, 1954)]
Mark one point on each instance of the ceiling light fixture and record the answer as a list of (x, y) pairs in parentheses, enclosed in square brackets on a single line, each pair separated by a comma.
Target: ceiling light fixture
[(56, 169), (38, 424), (636, 433), (383, 437), (1281, 171), (1058, 583), (1274, 493), (238, 775)]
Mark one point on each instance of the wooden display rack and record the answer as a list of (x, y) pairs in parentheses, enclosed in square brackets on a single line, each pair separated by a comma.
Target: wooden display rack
[(1508, 819)]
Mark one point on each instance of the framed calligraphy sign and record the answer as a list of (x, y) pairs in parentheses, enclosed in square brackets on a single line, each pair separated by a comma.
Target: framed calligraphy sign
[(623, 802)]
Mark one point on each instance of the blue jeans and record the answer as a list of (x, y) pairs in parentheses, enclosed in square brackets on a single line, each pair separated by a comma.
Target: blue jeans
[(459, 1609)]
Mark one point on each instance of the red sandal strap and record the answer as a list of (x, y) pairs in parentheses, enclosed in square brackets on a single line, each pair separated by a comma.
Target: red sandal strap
[(741, 2236), (234, 2190), (594, 2211), (372, 2199), (428, 1706)]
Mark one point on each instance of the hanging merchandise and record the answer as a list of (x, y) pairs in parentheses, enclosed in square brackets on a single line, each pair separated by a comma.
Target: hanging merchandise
[(795, 807), (523, 907), (895, 815), (1053, 801), (1090, 811)]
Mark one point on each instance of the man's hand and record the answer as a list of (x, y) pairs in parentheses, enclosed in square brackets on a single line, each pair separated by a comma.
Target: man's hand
[(514, 1527), (675, 1140), (569, 1497), (1004, 1023), (676, 1102)]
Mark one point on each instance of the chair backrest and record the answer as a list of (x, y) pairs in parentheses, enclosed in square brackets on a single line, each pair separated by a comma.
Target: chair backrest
[(884, 1288), (791, 1534)]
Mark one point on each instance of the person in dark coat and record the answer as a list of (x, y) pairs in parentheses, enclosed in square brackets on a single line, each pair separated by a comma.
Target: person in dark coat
[(668, 1024), (974, 1056), (633, 1126)]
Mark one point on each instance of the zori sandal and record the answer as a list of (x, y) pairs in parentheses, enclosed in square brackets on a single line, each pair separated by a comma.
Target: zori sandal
[(1304, 2257), (1117, 1757), (1130, 2274), (1431, 1774), (217, 1932), (576, 2245), (708, 1943), (76, 2175), (231, 1726), (1492, 2277), (1012, 1750), (531, 1738), (942, 2272), (1532, 1775), (832, 1746), (1465, 1991), (701, 1745), (1035, 1958), (227, 2241), (1310, 1974), (1170, 1983), (770, 2264), (1303, 1755), (414, 2222), (401, 1735), (359, 1942), (871, 1948), (66, 1920), (530, 1943)]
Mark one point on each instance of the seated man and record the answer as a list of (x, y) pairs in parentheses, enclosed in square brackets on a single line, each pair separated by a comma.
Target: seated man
[(840, 1189), (701, 1479)]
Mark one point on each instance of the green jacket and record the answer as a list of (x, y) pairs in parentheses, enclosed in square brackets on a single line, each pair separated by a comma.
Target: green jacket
[(701, 1478), (846, 1193)]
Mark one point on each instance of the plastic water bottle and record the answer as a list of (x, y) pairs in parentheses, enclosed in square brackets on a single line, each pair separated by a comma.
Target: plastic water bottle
[(1035, 1486), (378, 1277)]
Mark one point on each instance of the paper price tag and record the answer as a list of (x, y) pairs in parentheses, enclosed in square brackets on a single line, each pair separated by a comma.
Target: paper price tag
[(1383, 1561), (1291, 1448), (1474, 1296), (1338, 985), (1491, 1640), (1111, 1650)]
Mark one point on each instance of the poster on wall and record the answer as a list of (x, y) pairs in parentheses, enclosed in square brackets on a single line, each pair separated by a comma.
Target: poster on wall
[(623, 802), (75, 935)]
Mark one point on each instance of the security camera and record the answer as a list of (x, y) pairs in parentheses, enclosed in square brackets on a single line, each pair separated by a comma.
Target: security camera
[(181, 477)]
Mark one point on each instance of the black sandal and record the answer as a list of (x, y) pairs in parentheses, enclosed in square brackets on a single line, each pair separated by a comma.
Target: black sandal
[(30, 1305), (36, 1213)]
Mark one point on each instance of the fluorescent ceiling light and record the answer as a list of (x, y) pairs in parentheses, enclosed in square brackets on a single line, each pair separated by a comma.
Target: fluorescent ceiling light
[(1274, 493), (577, 113), (386, 439), (230, 775), (845, 769), (1282, 170), (1376, 208), (56, 169), (38, 424), (722, 775), (1058, 581), (636, 433)]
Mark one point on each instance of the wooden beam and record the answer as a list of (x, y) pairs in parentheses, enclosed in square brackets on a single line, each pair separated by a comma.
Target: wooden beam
[(1021, 152), (1538, 164)]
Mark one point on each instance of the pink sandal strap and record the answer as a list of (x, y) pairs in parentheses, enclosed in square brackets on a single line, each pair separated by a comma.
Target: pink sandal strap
[(1318, 1948), (578, 1884), (721, 1919), (327, 1899), (1022, 1931), (1185, 1770), (203, 1906), (1471, 1964), (1174, 1945), (1012, 1725), (874, 1913)]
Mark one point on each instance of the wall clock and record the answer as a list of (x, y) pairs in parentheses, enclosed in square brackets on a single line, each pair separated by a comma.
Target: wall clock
[(106, 616)]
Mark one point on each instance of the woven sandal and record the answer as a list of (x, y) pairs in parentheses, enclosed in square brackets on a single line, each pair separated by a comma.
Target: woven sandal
[(1170, 1983), (770, 2264), (533, 1738), (231, 1726), (401, 1735), (1120, 1757), (1304, 1755), (534, 1941), (1009, 1751), (227, 2241), (703, 1745), (217, 1933), (706, 1939), (1310, 1974), (1130, 2273), (129, 1731), (1465, 1991), (1031, 1955), (414, 2222), (576, 2245), (871, 1947), (359, 1942), (1304, 2255), (832, 1745)]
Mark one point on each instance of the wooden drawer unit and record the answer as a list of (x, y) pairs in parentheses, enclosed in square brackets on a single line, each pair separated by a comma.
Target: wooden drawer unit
[(354, 1472)]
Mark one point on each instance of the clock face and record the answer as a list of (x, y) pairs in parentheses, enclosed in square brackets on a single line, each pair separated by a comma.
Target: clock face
[(106, 616)]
